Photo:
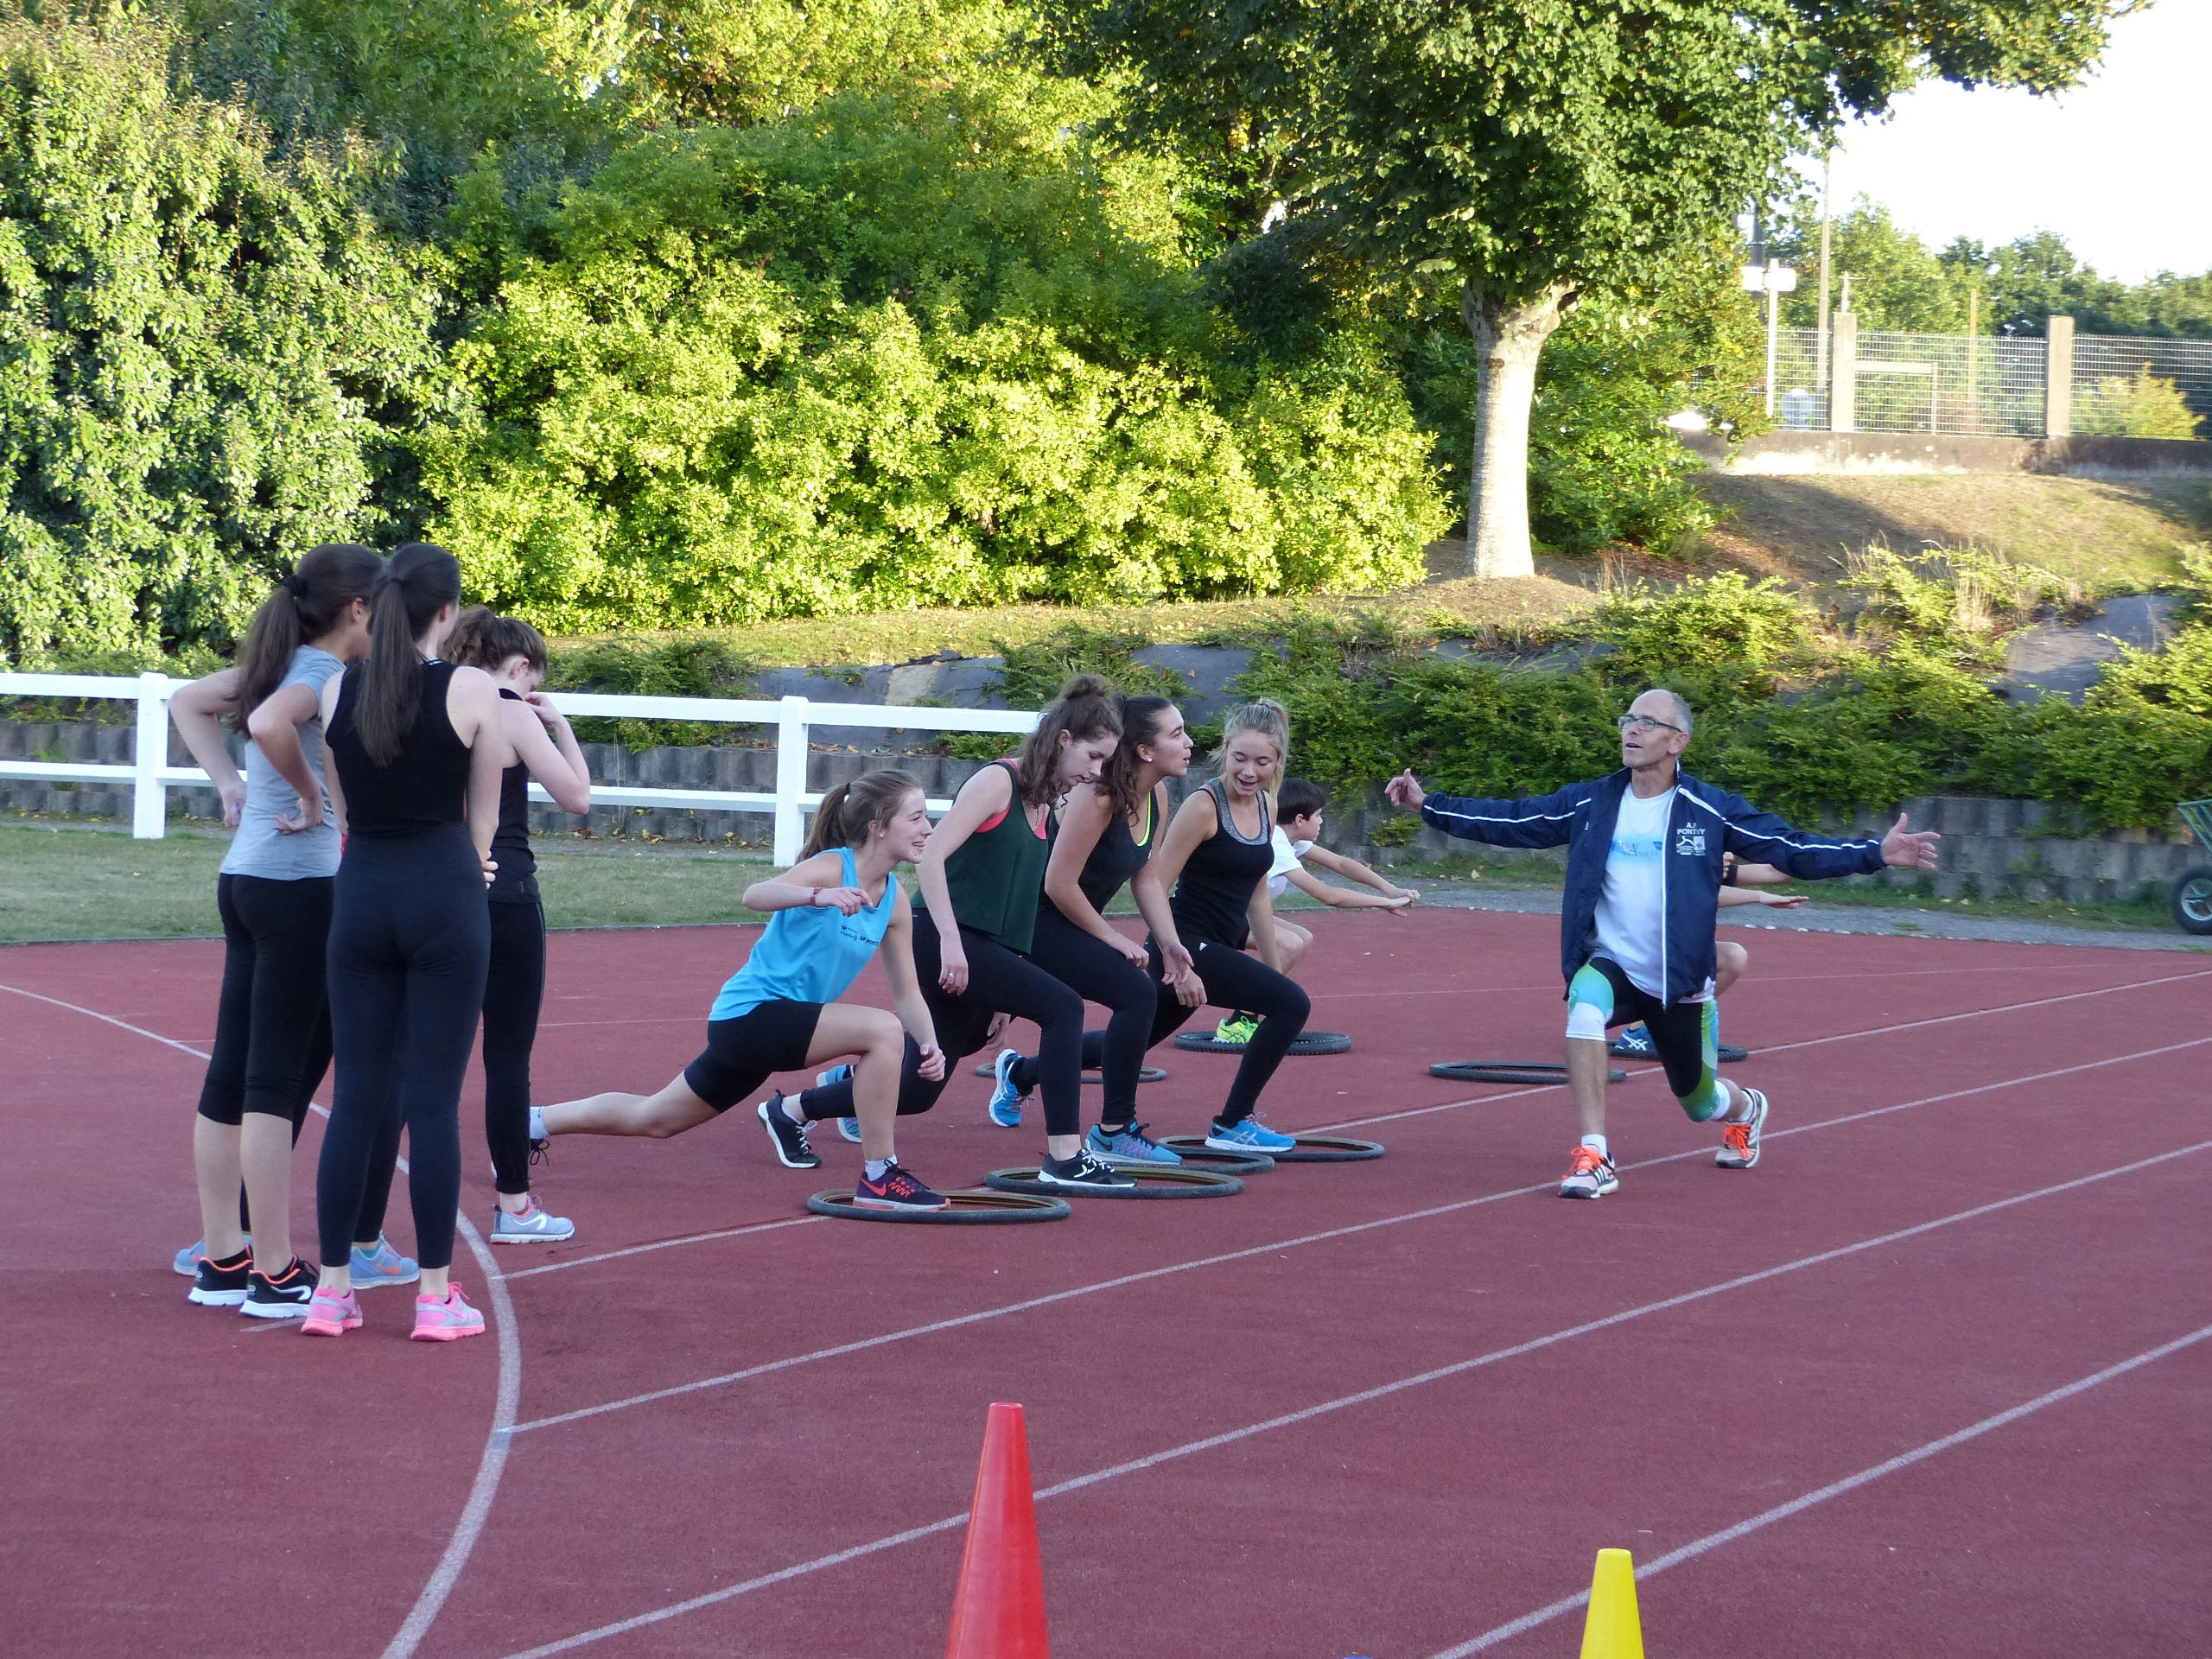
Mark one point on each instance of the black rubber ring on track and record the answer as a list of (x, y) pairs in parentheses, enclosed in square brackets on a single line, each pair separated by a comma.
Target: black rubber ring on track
[(1192, 1149), (1160, 1181), (1510, 1072), (973, 1207), (1305, 1149), (1312, 1042), (1148, 1074)]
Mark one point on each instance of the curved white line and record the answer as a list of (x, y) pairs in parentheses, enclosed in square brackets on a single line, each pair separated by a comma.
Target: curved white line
[(478, 1510)]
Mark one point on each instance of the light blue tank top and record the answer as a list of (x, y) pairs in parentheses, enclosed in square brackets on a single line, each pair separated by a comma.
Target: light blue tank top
[(810, 955)]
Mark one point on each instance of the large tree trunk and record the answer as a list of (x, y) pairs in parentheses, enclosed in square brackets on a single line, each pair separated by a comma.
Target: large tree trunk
[(1509, 337)]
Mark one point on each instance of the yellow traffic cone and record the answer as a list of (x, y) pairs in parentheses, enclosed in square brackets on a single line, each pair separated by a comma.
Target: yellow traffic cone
[(1613, 1631)]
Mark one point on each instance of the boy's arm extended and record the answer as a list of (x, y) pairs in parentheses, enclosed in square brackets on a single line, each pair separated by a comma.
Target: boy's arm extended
[(1352, 870)]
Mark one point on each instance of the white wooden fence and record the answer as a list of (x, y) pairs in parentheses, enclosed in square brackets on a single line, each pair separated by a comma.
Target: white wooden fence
[(151, 777)]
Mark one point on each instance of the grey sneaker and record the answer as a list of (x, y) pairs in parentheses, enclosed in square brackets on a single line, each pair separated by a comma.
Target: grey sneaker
[(1739, 1142), (533, 1226)]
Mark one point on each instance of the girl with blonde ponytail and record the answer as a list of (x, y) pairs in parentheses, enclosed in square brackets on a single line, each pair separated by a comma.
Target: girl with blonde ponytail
[(829, 914)]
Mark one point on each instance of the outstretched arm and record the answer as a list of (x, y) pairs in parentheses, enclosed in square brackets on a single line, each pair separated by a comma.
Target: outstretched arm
[(1752, 834), (1533, 821), (1344, 898)]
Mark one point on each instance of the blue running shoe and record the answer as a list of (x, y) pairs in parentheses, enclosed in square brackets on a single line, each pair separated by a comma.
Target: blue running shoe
[(1250, 1136), (847, 1126), (187, 1260), (1128, 1146), (1634, 1043), (383, 1266), (1006, 1099)]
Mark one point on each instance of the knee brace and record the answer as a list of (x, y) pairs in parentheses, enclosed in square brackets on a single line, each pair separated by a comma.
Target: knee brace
[(1589, 1005)]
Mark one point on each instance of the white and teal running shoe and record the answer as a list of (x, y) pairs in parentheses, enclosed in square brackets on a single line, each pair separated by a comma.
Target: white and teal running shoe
[(1130, 1145), (1249, 1136), (847, 1126), (1006, 1099)]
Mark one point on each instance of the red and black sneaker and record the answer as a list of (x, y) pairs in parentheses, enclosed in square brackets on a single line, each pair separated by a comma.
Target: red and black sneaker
[(896, 1190), (284, 1297), (222, 1284)]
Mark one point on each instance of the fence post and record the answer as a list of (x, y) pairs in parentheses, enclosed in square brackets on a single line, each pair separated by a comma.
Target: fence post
[(149, 806), (2058, 378), (1843, 374), (791, 779)]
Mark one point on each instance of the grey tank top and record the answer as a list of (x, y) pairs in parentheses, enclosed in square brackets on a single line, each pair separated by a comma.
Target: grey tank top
[(260, 849)]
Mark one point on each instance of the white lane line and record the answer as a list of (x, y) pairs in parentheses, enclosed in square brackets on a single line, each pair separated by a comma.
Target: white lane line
[(1784, 1048), (959, 1321), (507, 1405), (665, 1245), (485, 1487), (1364, 1397), (1836, 1489)]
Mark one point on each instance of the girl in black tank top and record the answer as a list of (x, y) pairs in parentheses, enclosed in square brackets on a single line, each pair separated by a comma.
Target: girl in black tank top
[(1096, 848), (1215, 857), (416, 750), (513, 654)]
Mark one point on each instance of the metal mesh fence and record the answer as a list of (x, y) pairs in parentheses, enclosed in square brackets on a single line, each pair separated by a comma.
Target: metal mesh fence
[(1986, 387), (2117, 389)]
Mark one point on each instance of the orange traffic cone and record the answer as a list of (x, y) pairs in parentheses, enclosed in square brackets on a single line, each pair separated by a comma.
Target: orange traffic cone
[(998, 1612)]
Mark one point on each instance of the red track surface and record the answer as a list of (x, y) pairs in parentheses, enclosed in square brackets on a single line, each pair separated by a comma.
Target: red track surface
[(183, 1483)]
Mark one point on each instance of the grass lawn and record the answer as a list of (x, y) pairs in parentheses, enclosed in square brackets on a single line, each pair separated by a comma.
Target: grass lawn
[(93, 881)]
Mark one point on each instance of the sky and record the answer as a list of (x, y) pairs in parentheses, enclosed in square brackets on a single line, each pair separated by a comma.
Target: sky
[(2117, 166)]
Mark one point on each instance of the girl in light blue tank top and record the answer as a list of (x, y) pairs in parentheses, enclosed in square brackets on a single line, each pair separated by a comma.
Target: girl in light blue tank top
[(839, 906)]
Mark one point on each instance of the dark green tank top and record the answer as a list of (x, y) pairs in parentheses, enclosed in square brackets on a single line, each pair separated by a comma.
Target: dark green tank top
[(997, 874)]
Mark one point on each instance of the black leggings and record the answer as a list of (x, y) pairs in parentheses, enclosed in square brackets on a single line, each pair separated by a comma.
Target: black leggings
[(410, 944), (1098, 973), (1240, 984), (514, 989), (272, 1025), (999, 980)]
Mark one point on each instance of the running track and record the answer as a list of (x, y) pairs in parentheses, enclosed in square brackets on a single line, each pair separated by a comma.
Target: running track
[(1935, 1378)]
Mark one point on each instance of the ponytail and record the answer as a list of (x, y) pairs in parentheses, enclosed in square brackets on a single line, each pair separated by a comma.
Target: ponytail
[(483, 639), (1084, 709), (420, 581), (305, 605), (849, 810), (1139, 718)]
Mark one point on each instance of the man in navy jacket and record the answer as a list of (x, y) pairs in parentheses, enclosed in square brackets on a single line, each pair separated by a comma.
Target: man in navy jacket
[(1644, 846)]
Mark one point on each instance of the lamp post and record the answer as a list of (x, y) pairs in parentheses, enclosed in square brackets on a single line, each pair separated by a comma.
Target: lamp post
[(1772, 280)]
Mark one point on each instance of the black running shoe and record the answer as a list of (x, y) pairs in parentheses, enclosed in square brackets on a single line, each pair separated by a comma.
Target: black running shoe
[(222, 1287), (284, 1297), (791, 1149), (896, 1190), (1082, 1170)]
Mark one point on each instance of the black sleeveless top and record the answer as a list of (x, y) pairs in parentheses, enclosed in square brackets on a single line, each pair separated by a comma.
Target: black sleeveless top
[(424, 789), (1213, 900), (997, 876), (517, 881), (1118, 856)]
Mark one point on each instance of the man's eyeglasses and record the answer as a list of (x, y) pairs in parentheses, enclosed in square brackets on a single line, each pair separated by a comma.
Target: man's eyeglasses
[(1642, 723)]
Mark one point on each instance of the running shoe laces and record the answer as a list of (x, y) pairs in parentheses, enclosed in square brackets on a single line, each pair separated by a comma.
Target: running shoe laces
[(1736, 1137), (1587, 1161)]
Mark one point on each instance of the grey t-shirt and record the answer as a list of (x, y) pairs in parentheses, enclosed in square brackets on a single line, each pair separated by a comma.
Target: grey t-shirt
[(260, 849)]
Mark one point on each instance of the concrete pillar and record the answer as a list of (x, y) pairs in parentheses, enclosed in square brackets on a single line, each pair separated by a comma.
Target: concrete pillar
[(2058, 378), (1843, 375)]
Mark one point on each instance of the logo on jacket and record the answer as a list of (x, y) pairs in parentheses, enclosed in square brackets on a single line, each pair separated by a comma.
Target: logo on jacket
[(1689, 841)]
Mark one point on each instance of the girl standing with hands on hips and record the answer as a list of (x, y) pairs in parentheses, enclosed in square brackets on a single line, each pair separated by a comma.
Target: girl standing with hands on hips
[(513, 654), (828, 914), (272, 1024), (417, 746)]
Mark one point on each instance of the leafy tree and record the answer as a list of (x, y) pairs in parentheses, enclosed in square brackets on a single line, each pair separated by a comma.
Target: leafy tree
[(1534, 153), (204, 352), (1897, 281)]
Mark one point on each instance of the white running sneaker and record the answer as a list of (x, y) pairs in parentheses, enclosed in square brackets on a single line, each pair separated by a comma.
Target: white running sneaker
[(1739, 1142), (1589, 1176), (532, 1226)]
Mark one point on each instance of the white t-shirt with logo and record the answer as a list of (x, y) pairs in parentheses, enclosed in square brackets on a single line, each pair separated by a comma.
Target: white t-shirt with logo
[(1633, 910), (1289, 855)]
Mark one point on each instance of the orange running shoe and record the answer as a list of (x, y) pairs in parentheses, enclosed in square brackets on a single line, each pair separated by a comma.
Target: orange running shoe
[(1590, 1176), (1739, 1142)]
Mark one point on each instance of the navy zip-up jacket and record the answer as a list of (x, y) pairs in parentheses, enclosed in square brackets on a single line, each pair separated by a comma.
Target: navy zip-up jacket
[(1702, 824)]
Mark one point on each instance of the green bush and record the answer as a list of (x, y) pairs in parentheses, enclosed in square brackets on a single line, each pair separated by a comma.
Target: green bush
[(690, 667)]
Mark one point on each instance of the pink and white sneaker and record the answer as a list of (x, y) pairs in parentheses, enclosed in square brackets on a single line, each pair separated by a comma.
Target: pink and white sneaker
[(330, 1312), (445, 1321)]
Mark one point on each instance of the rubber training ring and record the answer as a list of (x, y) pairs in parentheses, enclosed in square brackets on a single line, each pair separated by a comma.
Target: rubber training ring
[(1729, 1054), (1304, 1149), (1510, 1072), (1194, 1150), (1148, 1074), (1155, 1181), (971, 1207), (1312, 1042)]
